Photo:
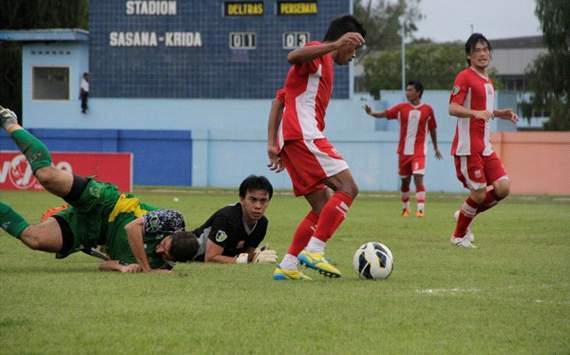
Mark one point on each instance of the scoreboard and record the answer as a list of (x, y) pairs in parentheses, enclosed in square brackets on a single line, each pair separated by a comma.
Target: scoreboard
[(202, 48)]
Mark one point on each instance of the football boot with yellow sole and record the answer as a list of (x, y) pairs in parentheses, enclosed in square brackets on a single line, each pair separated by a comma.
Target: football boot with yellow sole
[(317, 261)]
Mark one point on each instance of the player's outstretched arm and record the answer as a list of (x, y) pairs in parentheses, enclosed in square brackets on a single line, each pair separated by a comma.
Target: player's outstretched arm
[(114, 265), (369, 111), (433, 134), (306, 54), (506, 114), (457, 110), (214, 254), (275, 116), (135, 238)]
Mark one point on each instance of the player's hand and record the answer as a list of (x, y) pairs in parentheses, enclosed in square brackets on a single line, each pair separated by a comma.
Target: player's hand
[(438, 155), (483, 115), (507, 114), (350, 40), (367, 109), (132, 268), (275, 162), (266, 256), (161, 271)]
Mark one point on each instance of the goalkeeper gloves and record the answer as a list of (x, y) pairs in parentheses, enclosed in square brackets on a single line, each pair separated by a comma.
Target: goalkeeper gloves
[(265, 256)]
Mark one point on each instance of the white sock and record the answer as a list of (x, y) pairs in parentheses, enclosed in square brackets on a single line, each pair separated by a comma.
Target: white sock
[(420, 206), (315, 245), (289, 262), (406, 205)]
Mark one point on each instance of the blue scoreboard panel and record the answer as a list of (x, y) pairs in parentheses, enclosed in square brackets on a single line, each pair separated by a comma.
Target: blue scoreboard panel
[(202, 49)]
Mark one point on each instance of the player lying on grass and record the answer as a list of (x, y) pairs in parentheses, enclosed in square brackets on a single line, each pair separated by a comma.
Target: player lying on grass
[(137, 237), (297, 142), (415, 118), (233, 233)]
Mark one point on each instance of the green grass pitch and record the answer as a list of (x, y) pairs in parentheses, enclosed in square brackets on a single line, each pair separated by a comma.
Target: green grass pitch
[(510, 296)]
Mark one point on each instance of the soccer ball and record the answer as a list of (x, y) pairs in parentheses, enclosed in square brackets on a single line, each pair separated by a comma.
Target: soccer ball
[(373, 260)]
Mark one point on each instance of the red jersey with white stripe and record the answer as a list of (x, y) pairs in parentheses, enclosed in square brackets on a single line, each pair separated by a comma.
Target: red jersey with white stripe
[(414, 123), (474, 91), (308, 89)]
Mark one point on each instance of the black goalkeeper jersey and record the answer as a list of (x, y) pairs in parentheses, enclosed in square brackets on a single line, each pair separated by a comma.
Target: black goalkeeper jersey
[(226, 228)]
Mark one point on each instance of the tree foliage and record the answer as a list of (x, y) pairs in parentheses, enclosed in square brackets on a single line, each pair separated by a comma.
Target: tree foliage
[(435, 65), (381, 19), (549, 75), (31, 14)]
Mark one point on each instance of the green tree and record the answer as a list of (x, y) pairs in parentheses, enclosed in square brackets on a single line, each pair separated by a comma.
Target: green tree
[(31, 14), (435, 65), (549, 75), (381, 19)]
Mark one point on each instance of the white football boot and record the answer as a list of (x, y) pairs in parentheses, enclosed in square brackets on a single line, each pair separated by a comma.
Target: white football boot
[(462, 242), (469, 235), (7, 117)]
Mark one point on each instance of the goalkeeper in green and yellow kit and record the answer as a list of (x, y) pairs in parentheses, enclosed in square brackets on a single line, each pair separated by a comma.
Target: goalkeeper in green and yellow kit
[(137, 237)]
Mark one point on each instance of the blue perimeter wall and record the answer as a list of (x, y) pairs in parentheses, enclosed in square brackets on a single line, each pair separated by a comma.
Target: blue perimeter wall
[(159, 157)]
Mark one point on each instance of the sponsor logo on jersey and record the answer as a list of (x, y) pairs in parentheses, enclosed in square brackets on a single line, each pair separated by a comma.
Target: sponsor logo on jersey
[(221, 236)]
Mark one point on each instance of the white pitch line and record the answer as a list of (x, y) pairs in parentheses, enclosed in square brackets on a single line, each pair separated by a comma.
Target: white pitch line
[(440, 291)]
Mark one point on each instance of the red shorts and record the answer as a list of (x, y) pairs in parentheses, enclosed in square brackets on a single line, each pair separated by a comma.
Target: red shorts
[(309, 162), (411, 164), (476, 171)]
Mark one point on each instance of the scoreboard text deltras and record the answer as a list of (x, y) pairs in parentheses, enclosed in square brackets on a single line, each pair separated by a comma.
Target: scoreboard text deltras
[(235, 8)]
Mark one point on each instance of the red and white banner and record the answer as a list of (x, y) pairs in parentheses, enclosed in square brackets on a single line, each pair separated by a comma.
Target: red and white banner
[(116, 168)]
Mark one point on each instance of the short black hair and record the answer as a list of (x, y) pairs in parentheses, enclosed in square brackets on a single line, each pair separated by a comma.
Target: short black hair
[(417, 85), (254, 182), (341, 25), (184, 246), (472, 42)]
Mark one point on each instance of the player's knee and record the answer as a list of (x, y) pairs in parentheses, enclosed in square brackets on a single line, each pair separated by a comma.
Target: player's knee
[(46, 176), (503, 190), (352, 190), (31, 239), (478, 196)]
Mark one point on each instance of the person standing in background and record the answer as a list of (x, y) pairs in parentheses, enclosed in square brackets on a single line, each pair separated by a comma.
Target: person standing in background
[(84, 92)]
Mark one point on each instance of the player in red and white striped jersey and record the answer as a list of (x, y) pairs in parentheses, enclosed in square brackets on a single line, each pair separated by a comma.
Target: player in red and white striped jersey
[(415, 119), (477, 166), (296, 142)]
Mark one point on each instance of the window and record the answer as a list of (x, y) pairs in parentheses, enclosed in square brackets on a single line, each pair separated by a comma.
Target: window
[(50, 83)]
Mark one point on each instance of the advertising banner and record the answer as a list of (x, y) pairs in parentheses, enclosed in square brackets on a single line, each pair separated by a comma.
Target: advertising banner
[(115, 168)]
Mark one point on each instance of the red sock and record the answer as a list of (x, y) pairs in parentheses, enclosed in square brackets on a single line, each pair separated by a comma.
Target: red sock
[(303, 233), (405, 196), (466, 215), (332, 215), (420, 193), (491, 200)]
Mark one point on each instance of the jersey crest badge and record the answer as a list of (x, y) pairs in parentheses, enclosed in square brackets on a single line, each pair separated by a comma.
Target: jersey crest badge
[(221, 236), (455, 90)]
